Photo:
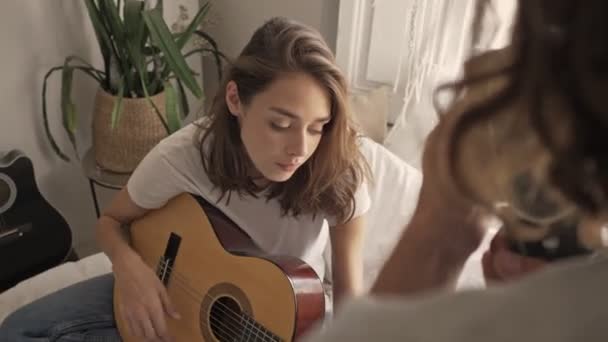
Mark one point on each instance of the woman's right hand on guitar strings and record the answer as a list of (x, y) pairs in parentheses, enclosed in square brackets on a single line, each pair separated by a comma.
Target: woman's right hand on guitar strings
[(144, 300)]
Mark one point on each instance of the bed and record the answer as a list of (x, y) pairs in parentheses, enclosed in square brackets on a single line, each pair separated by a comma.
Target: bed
[(394, 193)]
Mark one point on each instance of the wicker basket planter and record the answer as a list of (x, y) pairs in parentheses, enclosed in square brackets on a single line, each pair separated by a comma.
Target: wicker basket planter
[(121, 149)]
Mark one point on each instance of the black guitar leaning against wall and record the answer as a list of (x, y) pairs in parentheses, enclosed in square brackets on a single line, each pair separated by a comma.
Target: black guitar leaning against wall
[(33, 235)]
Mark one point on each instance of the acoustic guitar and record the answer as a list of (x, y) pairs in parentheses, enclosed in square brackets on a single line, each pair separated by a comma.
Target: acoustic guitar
[(33, 235), (223, 286)]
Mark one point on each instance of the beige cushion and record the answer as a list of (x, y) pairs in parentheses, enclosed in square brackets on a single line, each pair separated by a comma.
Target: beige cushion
[(370, 110)]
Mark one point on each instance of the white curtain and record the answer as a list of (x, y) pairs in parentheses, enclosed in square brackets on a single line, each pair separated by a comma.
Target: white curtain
[(437, 41)]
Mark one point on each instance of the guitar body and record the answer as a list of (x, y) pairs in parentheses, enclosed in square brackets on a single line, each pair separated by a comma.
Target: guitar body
[(33, 235), (224, 288)]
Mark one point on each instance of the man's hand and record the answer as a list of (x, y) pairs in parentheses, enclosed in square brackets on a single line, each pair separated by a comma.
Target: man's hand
[(500, 264)]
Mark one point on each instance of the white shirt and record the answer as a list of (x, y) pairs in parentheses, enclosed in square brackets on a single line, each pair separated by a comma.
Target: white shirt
[(174, 166), (559, 304)]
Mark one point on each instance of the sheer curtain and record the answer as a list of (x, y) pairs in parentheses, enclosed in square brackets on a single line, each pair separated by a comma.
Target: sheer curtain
[(437, 41)]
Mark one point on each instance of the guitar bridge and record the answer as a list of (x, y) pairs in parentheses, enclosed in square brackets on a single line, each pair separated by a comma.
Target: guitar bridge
[(165, 266)]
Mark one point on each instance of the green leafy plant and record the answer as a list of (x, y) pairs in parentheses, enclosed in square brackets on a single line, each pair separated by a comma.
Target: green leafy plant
[(141, 58)]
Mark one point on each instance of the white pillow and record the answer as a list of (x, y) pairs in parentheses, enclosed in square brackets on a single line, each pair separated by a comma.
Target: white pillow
[(394, 194), (370, 111)]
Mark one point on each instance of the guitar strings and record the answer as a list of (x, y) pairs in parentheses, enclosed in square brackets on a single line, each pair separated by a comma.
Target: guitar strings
[(226, 310), (186, 281), (226, 333), (244, 333), (237, 328), (236, 324), (182, 282), (196, 294), (220, 331), (236, 318), (233, 324)]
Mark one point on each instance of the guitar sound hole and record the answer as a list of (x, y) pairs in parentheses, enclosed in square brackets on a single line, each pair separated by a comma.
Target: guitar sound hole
[(226, 319), (4, 192), (8, 192)]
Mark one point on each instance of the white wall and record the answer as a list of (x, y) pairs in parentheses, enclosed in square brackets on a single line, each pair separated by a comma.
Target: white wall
[(37, 35), (237, 19)]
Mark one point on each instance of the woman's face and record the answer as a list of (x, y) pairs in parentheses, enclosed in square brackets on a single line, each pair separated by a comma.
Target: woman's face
[(282, 126)]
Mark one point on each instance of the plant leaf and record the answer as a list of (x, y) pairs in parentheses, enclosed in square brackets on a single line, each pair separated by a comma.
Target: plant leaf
[(103, 37), (67, 106), (115, 23), (183, 99), (217, 58), (45, 117), (156, 110), (172, 108), (135, 30), (117, 107), (111, 17), (161, 36), (198, 19), (137, 37), (134, 23), (88, 68)]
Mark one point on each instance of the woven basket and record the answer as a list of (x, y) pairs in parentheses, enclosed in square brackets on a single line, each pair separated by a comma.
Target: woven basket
[(138, 130)]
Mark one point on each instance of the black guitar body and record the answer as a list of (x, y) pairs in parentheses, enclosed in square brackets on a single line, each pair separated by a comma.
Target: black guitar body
[(33, 235)]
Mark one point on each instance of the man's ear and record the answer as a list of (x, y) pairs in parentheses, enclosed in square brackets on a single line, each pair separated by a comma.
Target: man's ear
[(233, 100)]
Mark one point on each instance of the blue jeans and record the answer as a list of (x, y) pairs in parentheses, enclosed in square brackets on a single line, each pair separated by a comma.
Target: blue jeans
[(82, 312)]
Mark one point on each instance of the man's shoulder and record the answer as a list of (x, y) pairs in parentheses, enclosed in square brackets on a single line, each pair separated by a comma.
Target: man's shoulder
[(569, 293)]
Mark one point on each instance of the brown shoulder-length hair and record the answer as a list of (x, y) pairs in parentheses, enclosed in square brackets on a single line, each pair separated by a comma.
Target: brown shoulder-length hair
[(327, 182), (558, 48)]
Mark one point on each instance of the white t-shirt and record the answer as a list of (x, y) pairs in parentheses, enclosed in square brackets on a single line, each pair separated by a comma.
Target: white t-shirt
[(174, 166), (560, 304)]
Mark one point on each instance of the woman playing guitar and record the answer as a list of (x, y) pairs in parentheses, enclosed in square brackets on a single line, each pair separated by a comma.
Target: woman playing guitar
[(277, 153)]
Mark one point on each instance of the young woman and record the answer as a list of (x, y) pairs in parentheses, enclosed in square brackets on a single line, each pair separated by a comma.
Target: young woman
[(277, 154)]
